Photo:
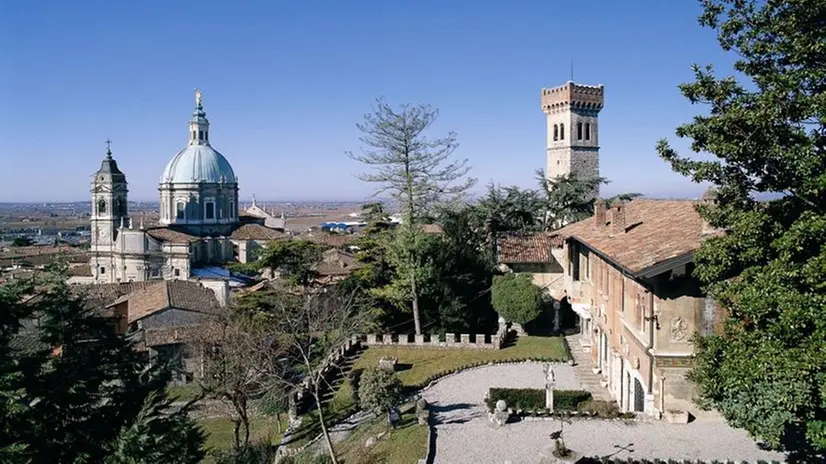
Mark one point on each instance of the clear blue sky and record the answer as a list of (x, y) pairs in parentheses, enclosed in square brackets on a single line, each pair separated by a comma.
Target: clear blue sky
[(285, 83)]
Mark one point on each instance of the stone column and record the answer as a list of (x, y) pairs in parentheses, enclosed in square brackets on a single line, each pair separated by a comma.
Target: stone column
[(549, 399)]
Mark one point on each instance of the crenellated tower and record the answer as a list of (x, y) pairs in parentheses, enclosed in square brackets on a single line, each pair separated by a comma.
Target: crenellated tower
[(109, 213), (572, 112)]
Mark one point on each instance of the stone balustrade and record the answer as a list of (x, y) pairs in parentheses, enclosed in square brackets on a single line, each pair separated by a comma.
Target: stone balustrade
[(450, 340)]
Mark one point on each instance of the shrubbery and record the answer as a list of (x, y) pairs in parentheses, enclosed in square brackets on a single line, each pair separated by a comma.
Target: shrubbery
[(531, 399), (516, 298), (379, 390)]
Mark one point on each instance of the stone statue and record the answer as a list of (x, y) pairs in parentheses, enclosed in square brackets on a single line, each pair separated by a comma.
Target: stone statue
[(550, 378), (499, 417), (198, 95)]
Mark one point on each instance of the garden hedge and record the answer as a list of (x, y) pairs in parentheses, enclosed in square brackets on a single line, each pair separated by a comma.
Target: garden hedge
[(533, 399)]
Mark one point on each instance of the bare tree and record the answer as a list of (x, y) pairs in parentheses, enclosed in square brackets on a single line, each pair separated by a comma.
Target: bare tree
[(242, 363), (414, 169), (312, 328)]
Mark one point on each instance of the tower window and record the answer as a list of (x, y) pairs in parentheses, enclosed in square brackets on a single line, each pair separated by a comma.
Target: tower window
[(102, 207), (102, 270), (556, 132), (587, 131), (579, 131), (200, 135), (562, 131), (180, 210), (232, 209), (209, 208), (177, 272)]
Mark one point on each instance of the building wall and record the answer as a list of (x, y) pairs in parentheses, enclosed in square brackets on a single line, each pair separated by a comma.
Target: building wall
[(641, 329)]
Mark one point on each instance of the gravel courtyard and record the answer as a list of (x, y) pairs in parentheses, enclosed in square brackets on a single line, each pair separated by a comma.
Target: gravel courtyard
[(463, 433)]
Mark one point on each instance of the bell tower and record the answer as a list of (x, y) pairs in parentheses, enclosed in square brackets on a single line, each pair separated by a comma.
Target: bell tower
[(572, 113), (109, 213)]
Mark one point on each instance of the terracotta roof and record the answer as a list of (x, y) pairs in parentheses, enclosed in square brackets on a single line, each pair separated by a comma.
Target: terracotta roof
[(432, 229), (255, 232), (526, 247), (337, 262), (179, 294), (656, 230), (82, 270), (102, 295), (165, 234)]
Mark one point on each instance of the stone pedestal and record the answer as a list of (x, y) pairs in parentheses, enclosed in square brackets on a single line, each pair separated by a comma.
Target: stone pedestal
[(549, 399)]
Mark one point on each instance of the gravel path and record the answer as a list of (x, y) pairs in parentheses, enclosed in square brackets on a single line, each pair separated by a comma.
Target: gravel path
[(464, 435)]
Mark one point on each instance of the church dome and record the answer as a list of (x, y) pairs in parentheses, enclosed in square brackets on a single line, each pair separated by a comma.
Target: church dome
[(196, 164)]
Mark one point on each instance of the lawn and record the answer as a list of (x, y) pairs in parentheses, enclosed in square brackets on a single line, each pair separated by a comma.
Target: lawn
[(406, 444), (183, 392), (418, 364), (219, 431)]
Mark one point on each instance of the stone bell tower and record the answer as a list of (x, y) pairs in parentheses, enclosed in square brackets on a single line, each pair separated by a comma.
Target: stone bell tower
[(572, 113), (109, 213)]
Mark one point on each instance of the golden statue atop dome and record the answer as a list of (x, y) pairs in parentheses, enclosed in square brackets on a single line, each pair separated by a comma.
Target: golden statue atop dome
[(198, 95)]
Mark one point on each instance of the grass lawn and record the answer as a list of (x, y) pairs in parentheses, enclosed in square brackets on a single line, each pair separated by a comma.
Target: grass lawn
[(418, 364), (219, 431), (183, 392), (404, 445)]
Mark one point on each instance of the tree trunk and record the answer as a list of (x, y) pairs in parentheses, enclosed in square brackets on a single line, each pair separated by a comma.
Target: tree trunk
[(235, 430), (278, 422), (415, 299), (324, 431)]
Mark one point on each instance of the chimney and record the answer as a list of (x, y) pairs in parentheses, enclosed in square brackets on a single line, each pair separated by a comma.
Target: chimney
[(709, 199), (599, 213), (618, 218)]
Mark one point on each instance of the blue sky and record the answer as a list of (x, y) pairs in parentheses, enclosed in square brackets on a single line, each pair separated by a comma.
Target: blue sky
[(285, 83)]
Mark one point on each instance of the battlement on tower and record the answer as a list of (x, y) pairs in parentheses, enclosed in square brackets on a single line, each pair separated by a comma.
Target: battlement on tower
[(573, 96)]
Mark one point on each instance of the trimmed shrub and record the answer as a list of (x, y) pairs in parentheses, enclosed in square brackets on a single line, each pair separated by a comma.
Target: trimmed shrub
[(379, 390), (516, 298), (517, 398), (569, 400), (604, 409)]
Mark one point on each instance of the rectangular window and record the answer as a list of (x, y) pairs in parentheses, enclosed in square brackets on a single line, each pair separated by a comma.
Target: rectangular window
[(587, 131), (102, 270), (210, 210), (231, 209), (579, 131), (179, 210), (177, 272), (587, 258)]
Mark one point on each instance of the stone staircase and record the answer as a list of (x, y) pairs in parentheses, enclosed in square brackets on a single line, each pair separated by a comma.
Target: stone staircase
[(582, 366)]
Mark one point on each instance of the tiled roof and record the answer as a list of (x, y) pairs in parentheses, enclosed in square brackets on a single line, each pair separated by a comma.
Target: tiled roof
[(656, 230), (179, 294), (527, 247), (337, 262), (82, 270), (101, 295), (255, 232), (165, 234), (432, 229)]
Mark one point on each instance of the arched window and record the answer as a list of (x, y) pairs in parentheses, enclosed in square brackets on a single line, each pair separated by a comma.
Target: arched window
[(180, 209), (587, 131), (579, 131), (556, 132), (562, 131), (102, 207)]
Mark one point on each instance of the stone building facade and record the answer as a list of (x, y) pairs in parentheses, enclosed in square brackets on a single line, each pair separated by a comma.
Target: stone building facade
[(572, 114), (629, 277), (199, 222)]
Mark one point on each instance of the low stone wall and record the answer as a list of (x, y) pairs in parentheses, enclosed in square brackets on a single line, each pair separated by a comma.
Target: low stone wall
[(449, 340)]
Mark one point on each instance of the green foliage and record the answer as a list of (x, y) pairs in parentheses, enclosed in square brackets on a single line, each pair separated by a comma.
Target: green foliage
[(527, 399), (765, 371), (295, 259), (22, 242), (379, 390), (516, 298), (570, 400), (76, 382), (159, 433), (568, 198), (253, 453)]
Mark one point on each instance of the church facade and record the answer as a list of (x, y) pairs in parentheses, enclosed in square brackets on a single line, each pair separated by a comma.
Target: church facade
[(200, 223)]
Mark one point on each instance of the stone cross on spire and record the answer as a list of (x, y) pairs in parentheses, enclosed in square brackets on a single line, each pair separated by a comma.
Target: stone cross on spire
[(108, 148)]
